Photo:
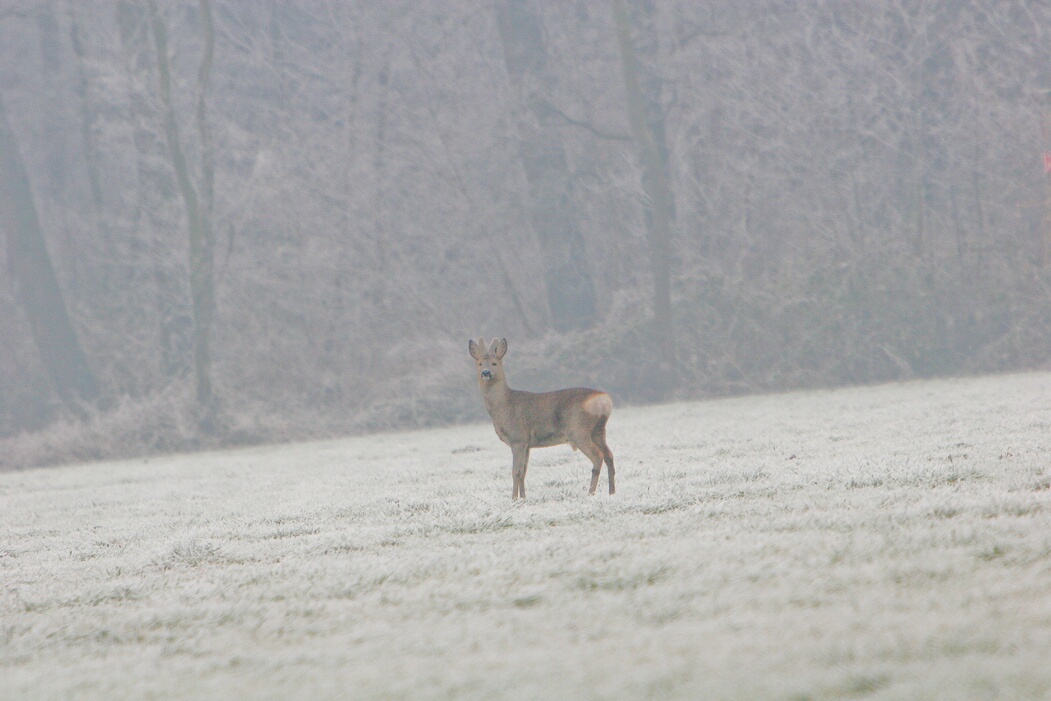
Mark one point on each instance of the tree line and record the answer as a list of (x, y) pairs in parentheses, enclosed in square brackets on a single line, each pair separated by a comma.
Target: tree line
[(241, 221)]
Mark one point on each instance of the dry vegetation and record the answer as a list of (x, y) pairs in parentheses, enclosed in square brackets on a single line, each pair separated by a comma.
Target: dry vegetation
[(881, 543)]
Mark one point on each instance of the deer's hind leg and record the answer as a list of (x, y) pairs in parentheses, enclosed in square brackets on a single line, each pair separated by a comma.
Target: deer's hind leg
[(599, 437), (594, 453)]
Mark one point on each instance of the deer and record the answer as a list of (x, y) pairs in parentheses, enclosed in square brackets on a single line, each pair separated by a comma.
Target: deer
[(527, 420)]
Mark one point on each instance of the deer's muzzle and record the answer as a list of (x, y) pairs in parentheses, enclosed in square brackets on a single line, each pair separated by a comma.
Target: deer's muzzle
[(487, 375)]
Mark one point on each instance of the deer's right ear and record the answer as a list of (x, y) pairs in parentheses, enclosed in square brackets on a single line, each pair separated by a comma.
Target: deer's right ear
[(501, 348), (475, 349)]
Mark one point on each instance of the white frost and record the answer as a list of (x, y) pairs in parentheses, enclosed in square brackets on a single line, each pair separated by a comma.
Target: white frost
[(886, 542)]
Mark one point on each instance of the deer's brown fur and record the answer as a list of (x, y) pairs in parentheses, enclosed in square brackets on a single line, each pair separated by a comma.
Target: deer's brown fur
[(526, 420)]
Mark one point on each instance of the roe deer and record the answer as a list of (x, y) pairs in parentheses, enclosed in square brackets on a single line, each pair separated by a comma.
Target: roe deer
[(525, 420)]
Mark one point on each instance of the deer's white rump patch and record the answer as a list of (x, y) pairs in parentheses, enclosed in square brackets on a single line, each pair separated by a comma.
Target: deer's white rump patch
[(599, 405)]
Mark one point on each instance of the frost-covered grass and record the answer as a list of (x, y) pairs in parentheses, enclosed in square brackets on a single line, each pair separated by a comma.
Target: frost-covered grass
[(889, 542)]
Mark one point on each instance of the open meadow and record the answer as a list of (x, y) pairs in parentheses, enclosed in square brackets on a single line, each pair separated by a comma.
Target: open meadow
[(889, 542)]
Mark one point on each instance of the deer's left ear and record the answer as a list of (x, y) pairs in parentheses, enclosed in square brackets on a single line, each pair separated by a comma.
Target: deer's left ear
[(501, 348), (475, 349)]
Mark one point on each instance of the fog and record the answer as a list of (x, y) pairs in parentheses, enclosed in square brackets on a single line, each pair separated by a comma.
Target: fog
[(238, 222)]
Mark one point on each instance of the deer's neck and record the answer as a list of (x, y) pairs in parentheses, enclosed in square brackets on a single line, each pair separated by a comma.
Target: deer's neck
[(496, 396)]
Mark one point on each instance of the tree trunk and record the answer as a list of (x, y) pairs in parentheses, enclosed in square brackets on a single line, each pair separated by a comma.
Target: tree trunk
[(197, 206), (154, 198), (35, 279), (1044, 98), (646, 117), (554, 217), (87, 116)]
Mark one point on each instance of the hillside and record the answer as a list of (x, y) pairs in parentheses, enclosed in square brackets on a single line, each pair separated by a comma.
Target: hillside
[(887, 542)]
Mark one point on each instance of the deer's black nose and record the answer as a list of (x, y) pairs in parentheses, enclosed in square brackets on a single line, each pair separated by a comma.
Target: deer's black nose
[(486, 374)]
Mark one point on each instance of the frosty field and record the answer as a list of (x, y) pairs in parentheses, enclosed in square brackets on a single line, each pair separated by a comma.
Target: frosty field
[(889, 542)]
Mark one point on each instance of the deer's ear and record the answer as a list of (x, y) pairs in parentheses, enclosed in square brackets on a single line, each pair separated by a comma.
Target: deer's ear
[(501, 348), (475, 349)]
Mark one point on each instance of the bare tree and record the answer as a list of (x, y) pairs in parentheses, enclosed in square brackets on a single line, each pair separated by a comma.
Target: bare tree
[(553, 214), (642, 90), (87, 112), (198, 199), (31, 268)]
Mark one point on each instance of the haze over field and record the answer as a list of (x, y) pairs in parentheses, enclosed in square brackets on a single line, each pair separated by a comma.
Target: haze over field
[(881, 543)]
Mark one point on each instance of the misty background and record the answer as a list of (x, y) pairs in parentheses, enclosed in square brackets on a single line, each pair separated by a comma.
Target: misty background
[(234, 222)]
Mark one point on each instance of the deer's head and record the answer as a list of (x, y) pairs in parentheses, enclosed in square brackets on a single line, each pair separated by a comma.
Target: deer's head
[(490, 360)]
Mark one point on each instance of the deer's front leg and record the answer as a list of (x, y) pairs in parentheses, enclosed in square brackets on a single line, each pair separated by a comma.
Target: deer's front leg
[(520, 460)]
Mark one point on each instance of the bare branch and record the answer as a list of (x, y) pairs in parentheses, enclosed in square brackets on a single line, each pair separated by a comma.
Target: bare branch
[(587, 126)]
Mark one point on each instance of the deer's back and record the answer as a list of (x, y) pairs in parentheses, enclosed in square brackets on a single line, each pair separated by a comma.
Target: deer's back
[(553, 418)]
